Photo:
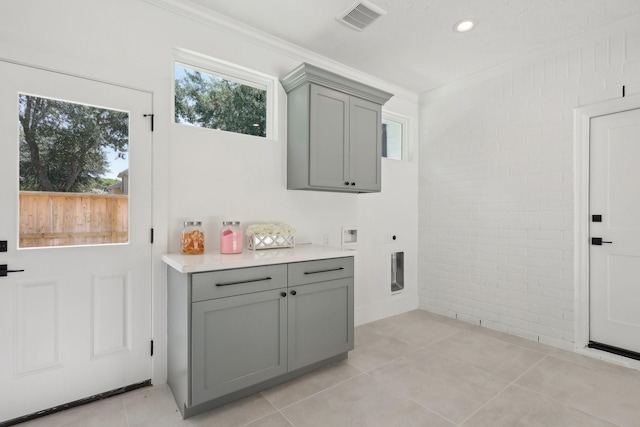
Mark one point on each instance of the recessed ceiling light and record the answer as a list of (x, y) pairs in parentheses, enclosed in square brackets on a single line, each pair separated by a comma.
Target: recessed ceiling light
[(463, 26)]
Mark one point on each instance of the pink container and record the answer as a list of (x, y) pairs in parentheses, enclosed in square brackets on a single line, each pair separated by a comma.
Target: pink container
[(231, 238)]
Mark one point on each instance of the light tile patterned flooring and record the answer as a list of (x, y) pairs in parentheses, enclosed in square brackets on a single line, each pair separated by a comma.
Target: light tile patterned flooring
[(415, 369)]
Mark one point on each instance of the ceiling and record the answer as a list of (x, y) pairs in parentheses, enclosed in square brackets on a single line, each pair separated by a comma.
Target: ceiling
[(414, 45)]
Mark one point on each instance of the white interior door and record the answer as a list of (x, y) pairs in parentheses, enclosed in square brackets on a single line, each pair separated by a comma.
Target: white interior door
[(614, 294), (77, 321)]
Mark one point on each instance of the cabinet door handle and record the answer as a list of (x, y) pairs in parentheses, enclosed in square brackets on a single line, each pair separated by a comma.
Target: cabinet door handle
[(353, 183), (243, 281), (346, 183), (293, 292), (324, 271), (283, 294)]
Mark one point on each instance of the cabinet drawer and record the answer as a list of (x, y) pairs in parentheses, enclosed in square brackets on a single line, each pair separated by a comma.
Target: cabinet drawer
[(225, 283), (301, 273)]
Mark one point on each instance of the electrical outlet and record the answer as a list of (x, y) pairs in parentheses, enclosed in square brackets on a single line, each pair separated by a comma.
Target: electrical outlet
[(391, 238), (3, 246)]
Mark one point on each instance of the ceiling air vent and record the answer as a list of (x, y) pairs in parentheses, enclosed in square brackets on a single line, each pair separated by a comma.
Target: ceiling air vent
[(360, 15)]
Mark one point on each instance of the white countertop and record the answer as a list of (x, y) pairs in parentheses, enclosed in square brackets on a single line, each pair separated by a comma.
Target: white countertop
[(215, 261)]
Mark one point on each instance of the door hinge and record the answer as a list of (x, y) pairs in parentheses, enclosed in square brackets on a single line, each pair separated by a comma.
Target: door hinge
[(151, 347), (152, 117), (152, 235)]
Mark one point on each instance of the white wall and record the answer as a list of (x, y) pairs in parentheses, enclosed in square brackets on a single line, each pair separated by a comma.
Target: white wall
[(496, 184), (208, 175)]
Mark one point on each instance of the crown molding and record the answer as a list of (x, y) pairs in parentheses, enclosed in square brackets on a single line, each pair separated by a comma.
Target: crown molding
[(307, 73), (195, 12)]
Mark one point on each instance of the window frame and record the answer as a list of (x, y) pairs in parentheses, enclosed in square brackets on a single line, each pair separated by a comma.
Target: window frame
[(234, 73), (404, 121)]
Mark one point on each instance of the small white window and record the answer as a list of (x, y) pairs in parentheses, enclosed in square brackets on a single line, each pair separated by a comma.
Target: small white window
[(394, 136), (216, 95)]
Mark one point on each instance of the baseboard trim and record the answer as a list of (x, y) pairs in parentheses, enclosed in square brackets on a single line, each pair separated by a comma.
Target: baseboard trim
[(75, 403)]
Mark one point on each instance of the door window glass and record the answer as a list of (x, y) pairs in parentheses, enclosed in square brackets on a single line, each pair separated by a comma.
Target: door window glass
[(74, 173)]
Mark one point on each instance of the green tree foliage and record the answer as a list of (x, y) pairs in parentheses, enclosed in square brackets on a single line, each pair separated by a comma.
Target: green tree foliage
[(211, 102), (62, 144), (102, 184)]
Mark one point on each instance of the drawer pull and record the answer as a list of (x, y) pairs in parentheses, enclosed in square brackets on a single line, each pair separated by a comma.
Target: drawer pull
[(244, 281), (324, 271)]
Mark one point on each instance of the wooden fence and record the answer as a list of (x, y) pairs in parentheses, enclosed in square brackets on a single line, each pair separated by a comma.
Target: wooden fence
[(67, 219)]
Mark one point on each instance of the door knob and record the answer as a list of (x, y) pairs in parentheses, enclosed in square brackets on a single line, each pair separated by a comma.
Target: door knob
[(598, 241)]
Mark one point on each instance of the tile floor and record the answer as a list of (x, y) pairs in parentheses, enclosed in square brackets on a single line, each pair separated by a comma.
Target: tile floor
[(415, 369)]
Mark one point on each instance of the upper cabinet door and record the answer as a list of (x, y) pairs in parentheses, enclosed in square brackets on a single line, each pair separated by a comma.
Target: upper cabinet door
[(328, 137), (365, 144)]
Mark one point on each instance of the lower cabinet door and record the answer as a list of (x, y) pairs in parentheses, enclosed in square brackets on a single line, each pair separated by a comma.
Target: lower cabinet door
[(320, 321), (237, 342)]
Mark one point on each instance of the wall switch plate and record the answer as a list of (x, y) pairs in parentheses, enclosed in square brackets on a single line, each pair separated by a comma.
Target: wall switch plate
[(3, 246)]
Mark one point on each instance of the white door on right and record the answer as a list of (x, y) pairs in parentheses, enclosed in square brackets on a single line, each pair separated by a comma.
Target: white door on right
[(614, 293)]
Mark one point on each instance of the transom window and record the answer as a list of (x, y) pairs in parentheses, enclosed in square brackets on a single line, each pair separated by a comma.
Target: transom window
[(394, 136), (220, 96)]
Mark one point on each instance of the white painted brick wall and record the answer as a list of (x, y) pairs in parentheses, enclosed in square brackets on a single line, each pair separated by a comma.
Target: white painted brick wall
[(496, 186)]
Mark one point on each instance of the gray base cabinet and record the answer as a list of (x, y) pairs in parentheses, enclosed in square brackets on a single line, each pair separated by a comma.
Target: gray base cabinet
[(237, 342), (319, 323), (234, 332)]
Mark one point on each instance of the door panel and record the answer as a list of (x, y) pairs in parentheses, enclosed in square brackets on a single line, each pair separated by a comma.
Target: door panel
[(77, 321), (237, 341), (615, 194), (365, 144), (320, 321), (329, 135)]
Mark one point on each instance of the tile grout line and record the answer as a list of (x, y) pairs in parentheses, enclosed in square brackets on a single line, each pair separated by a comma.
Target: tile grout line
[(321, 391), (453, 334), (263, 416), (433, 351), (285, 417), (126, 413), (565, 404), (539, 393), (411, 399), (503, 390), (417, 348), (472, 367)]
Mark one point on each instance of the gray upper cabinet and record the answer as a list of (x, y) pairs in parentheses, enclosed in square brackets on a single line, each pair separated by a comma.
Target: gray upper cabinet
[(334, 137)]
